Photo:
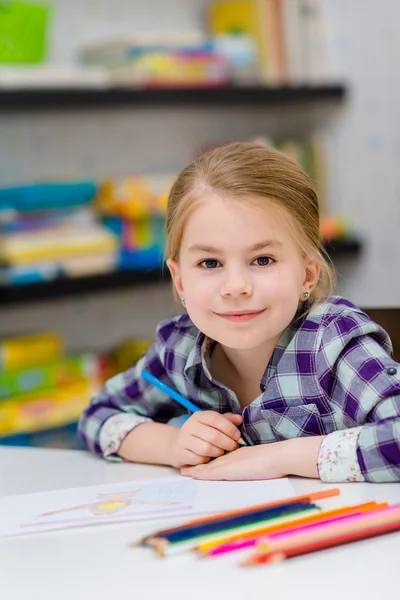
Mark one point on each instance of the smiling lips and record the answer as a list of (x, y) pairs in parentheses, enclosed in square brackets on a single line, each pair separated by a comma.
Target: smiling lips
[(240, 315)]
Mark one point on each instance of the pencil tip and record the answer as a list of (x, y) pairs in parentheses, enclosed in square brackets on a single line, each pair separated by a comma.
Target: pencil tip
[(247, 562), (241, 442)]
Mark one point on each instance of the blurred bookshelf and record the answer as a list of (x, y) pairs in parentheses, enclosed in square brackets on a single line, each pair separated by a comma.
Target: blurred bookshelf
[(43, 393), (63, 287), (228, 95)]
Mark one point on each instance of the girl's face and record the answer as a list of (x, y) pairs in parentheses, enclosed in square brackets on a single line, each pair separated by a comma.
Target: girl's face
[(240, 272)]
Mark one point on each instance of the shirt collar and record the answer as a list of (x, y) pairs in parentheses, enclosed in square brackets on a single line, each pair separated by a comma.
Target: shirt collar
[(285, 339), (196, 356)]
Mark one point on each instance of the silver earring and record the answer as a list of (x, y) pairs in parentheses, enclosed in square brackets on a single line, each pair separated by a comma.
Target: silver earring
[(183, 301), (305, 295)]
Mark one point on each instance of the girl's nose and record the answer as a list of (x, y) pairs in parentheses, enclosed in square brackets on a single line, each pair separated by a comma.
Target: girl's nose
[(236, 284)]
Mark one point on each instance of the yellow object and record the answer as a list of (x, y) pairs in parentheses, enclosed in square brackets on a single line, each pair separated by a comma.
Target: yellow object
[(112, 506), (23, 248), (135, 197), (46, 409), (249, 17), (30, 350), (129, 352)]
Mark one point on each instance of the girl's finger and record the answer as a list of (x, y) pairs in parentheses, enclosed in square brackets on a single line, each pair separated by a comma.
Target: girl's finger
[(202, 447), (192, 458), (214, 437), (219, 422)]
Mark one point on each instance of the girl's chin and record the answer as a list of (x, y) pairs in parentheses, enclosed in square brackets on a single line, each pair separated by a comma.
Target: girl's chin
[(239, 342)]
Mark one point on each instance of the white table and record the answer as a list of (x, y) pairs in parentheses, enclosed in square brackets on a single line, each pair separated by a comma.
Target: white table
[(95, 563)]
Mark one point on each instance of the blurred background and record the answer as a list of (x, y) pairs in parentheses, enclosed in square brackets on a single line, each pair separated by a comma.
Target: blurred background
[(102, 103)]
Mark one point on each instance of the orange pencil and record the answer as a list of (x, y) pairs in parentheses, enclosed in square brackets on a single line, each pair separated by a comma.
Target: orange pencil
[(220, 546), (314, 546), (242, 511)]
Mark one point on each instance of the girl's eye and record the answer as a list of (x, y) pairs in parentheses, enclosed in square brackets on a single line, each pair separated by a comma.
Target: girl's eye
[(209, 263), (263, 261)]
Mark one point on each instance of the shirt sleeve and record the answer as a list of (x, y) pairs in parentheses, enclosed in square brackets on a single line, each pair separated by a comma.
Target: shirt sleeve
[(126, 401), (362, 381), (115, 430), (337, 457)]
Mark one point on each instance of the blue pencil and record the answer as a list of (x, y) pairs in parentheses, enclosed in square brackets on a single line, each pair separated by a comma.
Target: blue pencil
[(170, 392), (186, 533), (176, 396)]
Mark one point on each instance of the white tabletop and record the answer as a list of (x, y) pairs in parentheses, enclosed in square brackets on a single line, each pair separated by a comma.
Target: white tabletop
[(96, 563)]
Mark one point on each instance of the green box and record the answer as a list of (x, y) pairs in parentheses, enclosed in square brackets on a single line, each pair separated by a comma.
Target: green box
[(23, 32)]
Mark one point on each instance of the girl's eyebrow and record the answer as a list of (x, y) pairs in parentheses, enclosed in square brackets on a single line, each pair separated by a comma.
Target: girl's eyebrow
[(213, 250)]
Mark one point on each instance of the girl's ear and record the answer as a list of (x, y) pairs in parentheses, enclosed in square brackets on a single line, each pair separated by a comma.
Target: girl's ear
[(312, 272), (175, 271)]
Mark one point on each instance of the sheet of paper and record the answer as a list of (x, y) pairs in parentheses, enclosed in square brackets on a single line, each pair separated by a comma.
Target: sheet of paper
[(163, 497)]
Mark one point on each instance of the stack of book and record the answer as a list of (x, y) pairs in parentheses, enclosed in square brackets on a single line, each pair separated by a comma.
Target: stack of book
[(134, 209), (50, 230), (181, 59), (43, 390), (288, 35)]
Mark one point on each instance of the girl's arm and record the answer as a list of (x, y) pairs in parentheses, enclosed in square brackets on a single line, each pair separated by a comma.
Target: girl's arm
[(128, 400), (150, 443), (362, 382)]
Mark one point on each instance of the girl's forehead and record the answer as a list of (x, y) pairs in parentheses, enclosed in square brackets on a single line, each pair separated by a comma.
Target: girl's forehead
[(216, 212)]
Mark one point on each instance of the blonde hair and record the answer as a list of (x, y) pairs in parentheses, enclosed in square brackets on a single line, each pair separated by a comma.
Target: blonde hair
[(251, 172)]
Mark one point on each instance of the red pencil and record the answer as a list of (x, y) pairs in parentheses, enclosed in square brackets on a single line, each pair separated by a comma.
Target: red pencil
[(314, 546)]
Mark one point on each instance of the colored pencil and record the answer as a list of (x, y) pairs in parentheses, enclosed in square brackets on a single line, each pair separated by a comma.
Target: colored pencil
[(323, 530), (311, 497), (165, 548), (253, 537), (225, 524), (185, 402), (322, 544)]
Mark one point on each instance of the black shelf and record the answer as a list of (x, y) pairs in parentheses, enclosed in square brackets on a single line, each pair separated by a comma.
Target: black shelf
[(343, 247), (80, 98), (66, 287), (75, 286)]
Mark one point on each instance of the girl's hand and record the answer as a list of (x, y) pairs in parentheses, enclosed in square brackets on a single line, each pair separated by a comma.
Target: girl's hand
[(205, 435), (246, 463)]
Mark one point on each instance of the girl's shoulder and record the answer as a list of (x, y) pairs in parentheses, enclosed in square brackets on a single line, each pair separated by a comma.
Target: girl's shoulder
[(337, 317)]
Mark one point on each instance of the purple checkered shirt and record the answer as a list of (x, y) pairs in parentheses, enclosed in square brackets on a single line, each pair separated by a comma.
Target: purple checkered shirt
[(331, 374)]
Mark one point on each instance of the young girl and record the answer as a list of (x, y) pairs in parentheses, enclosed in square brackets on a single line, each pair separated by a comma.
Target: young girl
[(305, 378)]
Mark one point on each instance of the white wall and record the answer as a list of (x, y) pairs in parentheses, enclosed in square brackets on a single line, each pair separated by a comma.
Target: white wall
[(363, 145)]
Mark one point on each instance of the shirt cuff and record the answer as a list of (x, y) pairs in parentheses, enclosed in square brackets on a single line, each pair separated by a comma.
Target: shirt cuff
[(115, 430), (337, 458)]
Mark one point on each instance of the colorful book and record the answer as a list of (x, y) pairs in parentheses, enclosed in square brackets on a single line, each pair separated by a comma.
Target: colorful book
[(246, 17), (294, 41), (62, 372), (289, 36), (55, 244), (43, 196), (30, 350), (313, 40), (44, 410)]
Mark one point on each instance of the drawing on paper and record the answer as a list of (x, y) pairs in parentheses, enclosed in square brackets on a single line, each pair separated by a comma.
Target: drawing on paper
[(146, 500)]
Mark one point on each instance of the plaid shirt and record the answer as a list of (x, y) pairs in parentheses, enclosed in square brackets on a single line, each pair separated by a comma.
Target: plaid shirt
[(331, 374)]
